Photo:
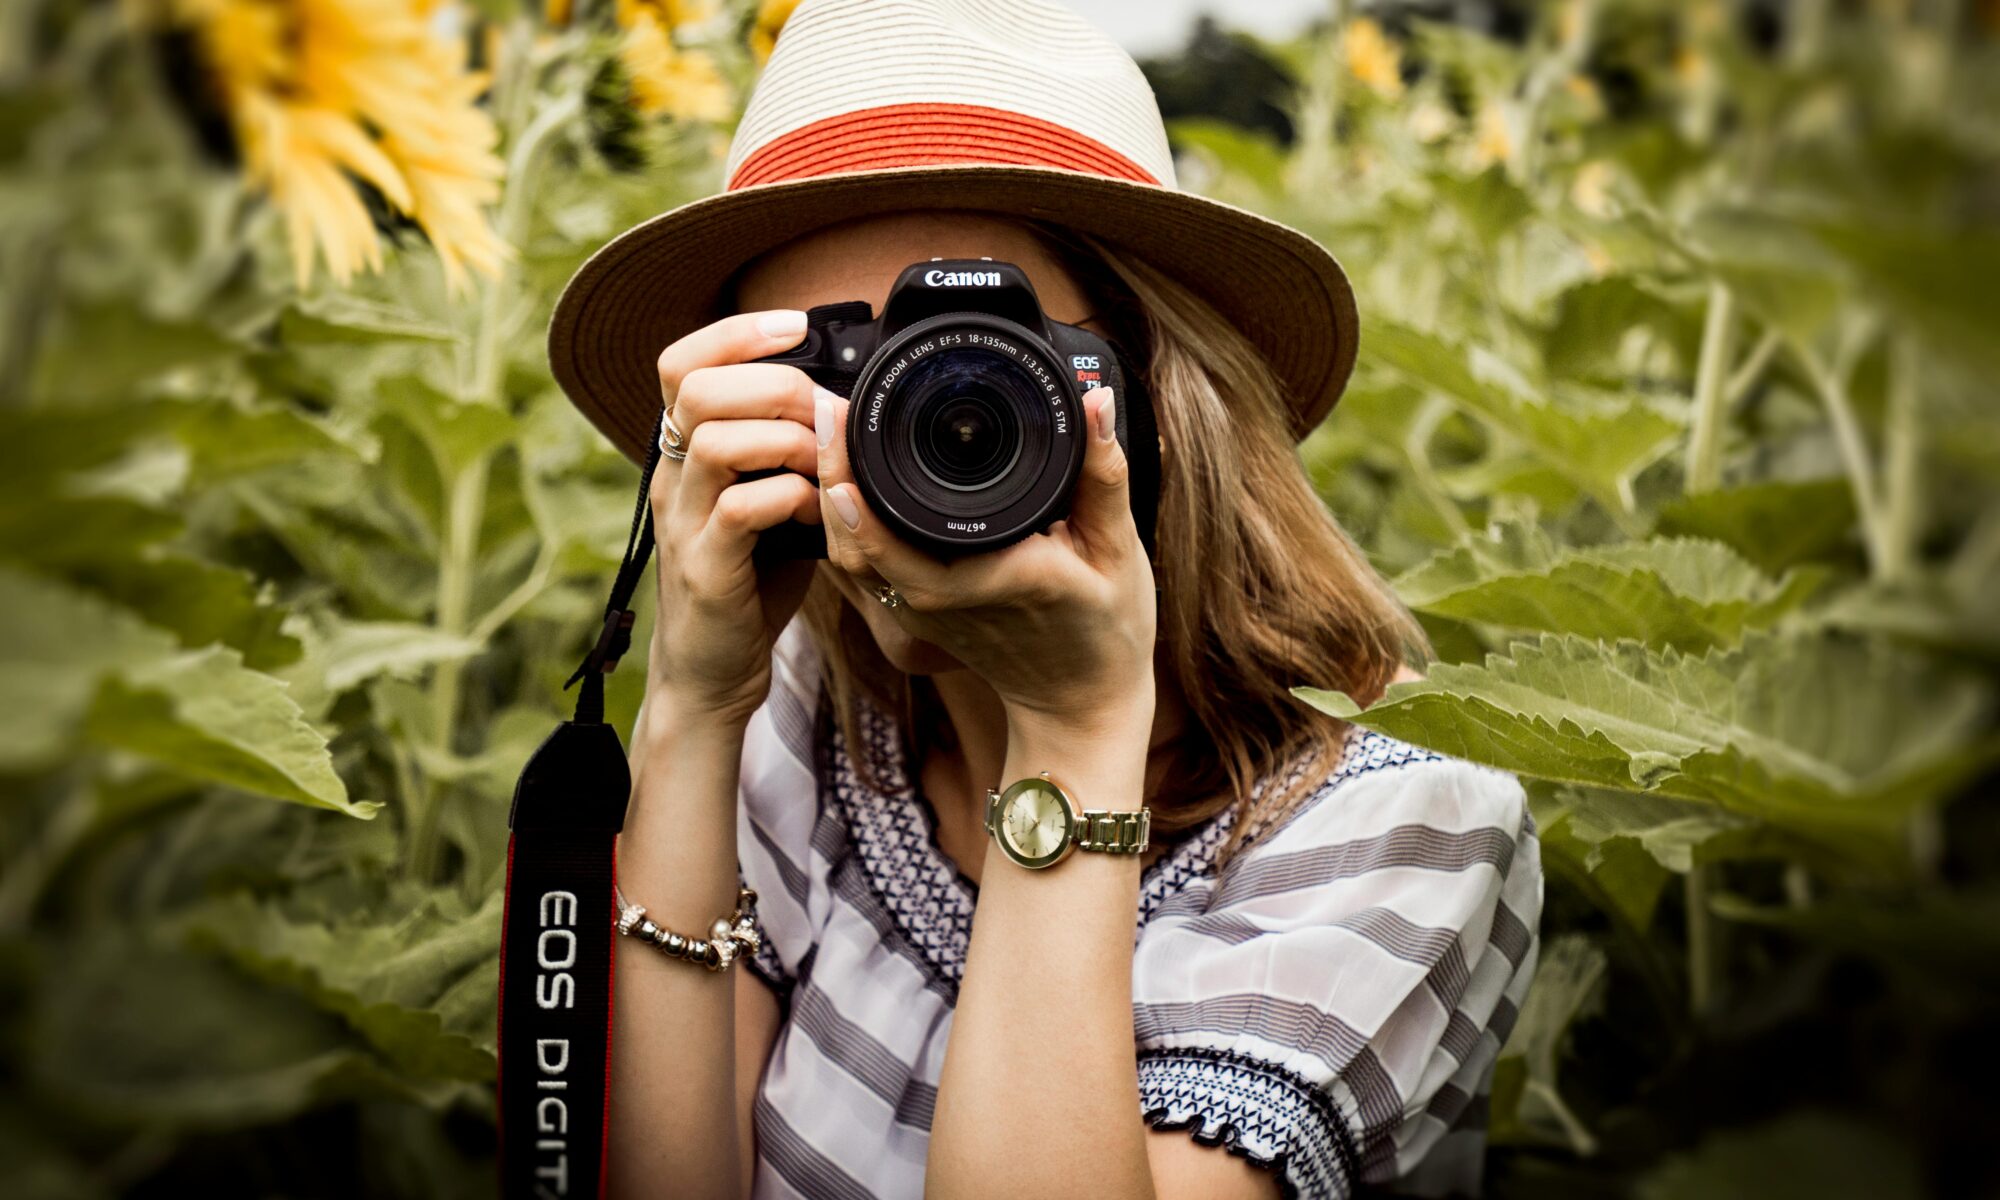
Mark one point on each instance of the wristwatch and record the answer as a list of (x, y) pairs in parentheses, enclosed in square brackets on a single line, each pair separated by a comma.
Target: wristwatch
[(1037, 824)]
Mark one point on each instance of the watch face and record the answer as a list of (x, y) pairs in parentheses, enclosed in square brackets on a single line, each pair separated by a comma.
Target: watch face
[(1034, 823)]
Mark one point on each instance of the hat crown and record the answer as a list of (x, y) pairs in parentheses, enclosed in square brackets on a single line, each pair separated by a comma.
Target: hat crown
[(860, 84)]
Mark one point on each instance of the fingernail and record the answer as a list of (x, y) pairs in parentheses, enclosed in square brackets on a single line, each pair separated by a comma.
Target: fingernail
[(845, 506), (823, 415), (782, 322), (1107, 417)]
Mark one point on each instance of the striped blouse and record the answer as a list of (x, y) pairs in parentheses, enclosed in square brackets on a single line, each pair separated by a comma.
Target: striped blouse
[(1330, 1006)]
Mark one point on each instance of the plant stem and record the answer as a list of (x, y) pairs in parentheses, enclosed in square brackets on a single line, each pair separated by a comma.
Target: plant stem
[(1902, 448), (1701, 941), (1577, 22), (1831, 384), (1711, 397), (1752, 368), (465, 508), (1416, 452), (537, 579)]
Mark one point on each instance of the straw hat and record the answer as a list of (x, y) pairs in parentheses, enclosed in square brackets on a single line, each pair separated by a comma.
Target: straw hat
[(1010, 106)]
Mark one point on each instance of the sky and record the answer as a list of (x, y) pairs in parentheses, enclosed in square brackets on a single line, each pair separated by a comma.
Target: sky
[(1146, 27)]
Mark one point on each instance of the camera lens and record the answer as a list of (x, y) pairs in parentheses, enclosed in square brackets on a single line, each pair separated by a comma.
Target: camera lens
[(968, 439), (965, 431), (963, 435)]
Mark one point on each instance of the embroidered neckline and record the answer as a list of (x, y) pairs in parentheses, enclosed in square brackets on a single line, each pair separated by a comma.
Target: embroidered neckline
[(931, 900), (929, 897)]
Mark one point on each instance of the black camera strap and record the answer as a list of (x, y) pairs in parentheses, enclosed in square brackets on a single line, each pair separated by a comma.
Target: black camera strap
[(557, 927)]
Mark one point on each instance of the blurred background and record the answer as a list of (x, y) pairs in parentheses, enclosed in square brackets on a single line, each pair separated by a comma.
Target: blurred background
[(1674, 420)]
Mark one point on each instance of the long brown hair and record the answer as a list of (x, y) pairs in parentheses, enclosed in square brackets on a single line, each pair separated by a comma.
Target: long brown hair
[(1261, 589)]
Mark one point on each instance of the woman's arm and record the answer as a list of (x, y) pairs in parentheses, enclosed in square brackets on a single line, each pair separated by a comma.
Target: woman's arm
[(673, 1125), (1040, 1086), (674, 1122), (1040, 1094), (757, 1019)]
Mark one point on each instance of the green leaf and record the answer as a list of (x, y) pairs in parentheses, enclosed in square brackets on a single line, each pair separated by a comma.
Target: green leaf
[(1801, 1156), (226, 440), (1594, 319), (1780, 272), (64, 531), (1241, 154), (1490, 204), (381, 978), (341, 317), (1597, 443), (56, 645), (1835, 739), (1569, 979), (204, 714), (1775, 524), (1927, 609), (108, 351), (137, 1033), (1680, 592), (1617, 873), (457, 433), (200, 602), (1950, 940), (1939, 283), (354, 652), (1676, 834)]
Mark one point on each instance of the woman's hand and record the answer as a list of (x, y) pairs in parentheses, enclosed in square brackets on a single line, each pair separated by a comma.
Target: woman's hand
[(1061, 624), (711, 648)]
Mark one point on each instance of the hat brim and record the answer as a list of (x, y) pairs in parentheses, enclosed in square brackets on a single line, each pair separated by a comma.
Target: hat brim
[(662, 278)]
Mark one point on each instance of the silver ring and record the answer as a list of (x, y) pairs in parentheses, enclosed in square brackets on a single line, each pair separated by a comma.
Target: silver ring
[(673, 442), (889, 596)]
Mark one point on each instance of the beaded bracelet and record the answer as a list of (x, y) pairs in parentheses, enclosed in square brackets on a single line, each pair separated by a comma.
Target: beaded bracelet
[(728, 937)]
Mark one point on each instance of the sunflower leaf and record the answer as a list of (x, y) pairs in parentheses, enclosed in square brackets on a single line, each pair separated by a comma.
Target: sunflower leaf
[(204, 714), (1835, 739), (1682, 592), (1599, 444)]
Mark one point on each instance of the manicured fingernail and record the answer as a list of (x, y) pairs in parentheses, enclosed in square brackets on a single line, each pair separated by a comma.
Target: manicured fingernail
[(782, 322), (845, 506), (1107, 416), (823, 415)]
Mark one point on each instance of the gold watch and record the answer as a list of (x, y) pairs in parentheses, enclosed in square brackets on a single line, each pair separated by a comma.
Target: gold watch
[(1037, 824)]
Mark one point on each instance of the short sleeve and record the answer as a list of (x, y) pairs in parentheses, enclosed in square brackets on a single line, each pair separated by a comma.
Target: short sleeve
[(781, 846), (1331, 1005)]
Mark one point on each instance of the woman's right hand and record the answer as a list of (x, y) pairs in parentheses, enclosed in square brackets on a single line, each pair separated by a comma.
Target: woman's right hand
[(718, 618)]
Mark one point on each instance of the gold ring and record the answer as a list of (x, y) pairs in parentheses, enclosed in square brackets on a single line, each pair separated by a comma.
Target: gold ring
[(889, 596)]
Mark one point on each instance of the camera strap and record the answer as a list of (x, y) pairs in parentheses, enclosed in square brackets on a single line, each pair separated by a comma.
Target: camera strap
[(557, 927)]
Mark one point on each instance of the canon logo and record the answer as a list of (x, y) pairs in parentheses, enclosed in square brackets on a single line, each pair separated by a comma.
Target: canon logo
[(936, 278)]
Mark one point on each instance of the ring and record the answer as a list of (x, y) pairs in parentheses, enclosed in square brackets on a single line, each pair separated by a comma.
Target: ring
[(673, 443), (889, 596)]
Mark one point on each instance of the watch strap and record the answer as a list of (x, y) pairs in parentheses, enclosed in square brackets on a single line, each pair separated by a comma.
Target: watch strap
[(1115, 831)]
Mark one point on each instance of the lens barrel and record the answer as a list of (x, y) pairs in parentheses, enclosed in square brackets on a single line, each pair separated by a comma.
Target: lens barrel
[(964, 433)]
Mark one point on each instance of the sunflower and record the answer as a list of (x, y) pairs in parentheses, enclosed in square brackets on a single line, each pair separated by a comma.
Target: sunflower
[(771, 18), (324, 94), (685, 84), (1372, 58)]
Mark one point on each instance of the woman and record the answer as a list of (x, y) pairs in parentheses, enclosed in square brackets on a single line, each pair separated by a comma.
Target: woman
[(1303, 980)]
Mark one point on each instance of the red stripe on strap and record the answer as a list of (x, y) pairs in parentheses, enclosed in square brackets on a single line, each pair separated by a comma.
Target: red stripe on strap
[(910, 135)]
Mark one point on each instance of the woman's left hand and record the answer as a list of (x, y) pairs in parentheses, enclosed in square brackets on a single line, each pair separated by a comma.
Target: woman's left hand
[(1060, 624)]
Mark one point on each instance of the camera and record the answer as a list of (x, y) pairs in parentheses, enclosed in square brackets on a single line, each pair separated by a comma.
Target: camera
[(965, 423)]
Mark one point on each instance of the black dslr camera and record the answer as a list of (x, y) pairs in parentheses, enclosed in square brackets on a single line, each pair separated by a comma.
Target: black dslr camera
[(965, 426)]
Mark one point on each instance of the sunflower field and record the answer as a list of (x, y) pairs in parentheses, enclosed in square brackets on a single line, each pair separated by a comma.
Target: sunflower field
[(1674, 421)]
